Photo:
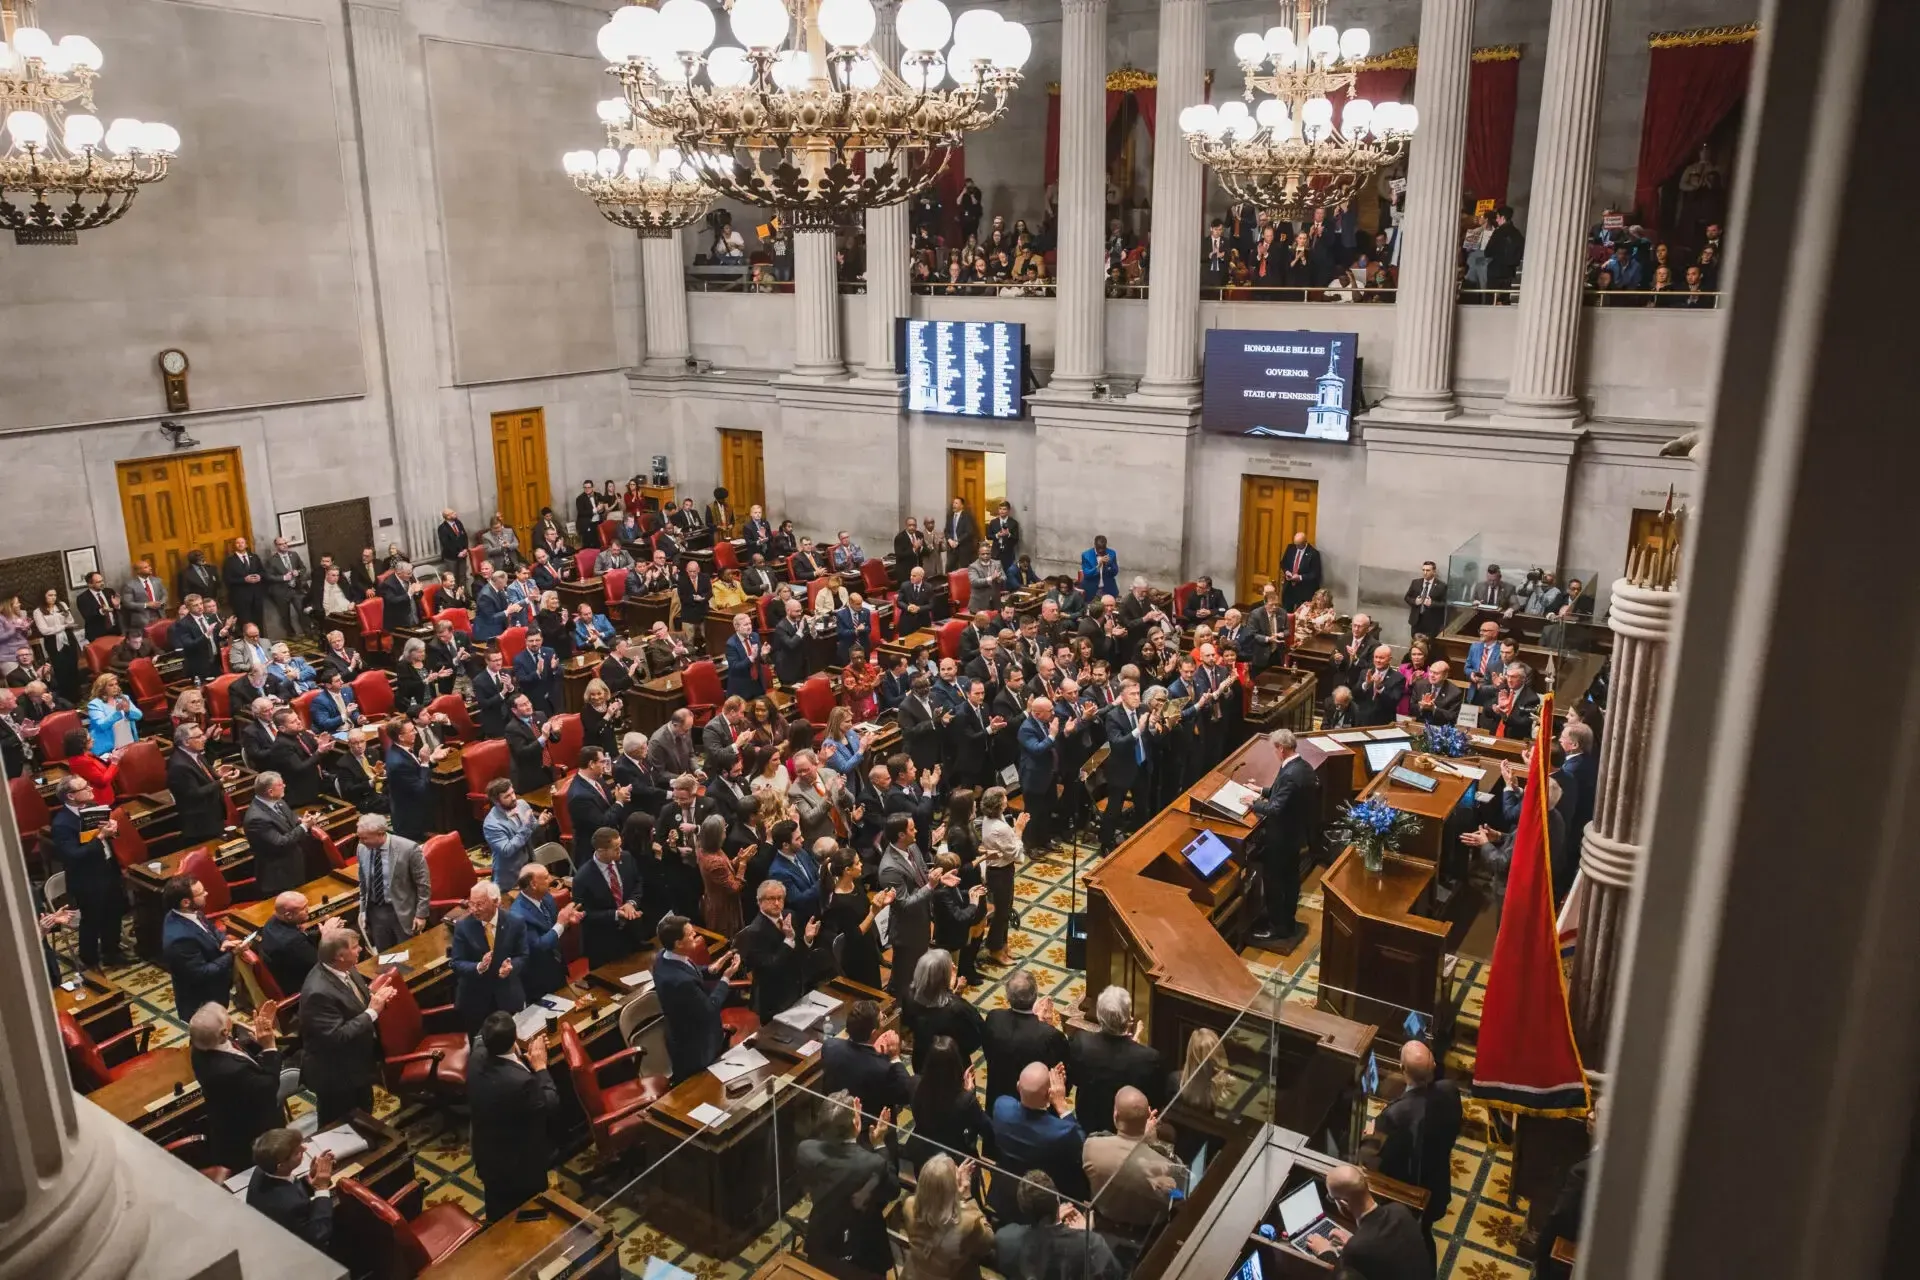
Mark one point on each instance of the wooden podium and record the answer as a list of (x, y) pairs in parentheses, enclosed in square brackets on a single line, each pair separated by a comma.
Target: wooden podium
[(1432, 807), (1383, 943)]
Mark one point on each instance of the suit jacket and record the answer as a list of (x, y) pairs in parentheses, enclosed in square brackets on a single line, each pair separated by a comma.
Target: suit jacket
[(492, 692), (408, 784), (136, 609), (544, 969), (1579, 777), (1493, 595), (1012, 1039), (278, 565), (603, 934), (279, 846), (296, 757), (408, 887), (539, 678), (340, 1047), (961, 529), (1426, 619), (288, 952), (1124, 750), (1288, 809), (591, 806), (1416, 1132), (513, 1107), (1039, 757), (1518, 722), (790, 651), (920, 730), (198, 646), (99, 612), (241, 1096), (293, 1205), (202, 973), (746, 675), (1447, 697), (1304, 561), (690, 1001), (670, 751), (876, 1080), (968, 743), (527, 749), (779, 971), (1388, 1244), (1100, 1064), (478, 994), (910, 923), (234, 571), (1378, 708), (198, 797)]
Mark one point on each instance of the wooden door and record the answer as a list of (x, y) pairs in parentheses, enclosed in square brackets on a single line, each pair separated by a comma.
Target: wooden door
[(967, 480), (1272, 510), (1651, 529), (181, 503), (743, 470), (520, 470)]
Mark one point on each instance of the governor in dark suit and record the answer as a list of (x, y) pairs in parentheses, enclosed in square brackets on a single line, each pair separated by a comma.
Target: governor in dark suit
[(691, 997), (488, 952), (1287, 811), (197, 956), (340, 1048), (514, 1104), (239, 1083)]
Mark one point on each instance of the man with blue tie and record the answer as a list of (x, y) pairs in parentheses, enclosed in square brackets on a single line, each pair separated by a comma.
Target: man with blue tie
[(488, 951), (1126, 761), (545, 920), (691, 997), (536, 669), (853, 623), (494, 611), (336, 709), (199, 959), (1038, 765)]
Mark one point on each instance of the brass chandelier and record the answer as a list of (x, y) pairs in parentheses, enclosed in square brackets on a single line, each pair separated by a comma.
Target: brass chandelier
[(801, 116), (1286, 153), (74, 172), (639, 179)]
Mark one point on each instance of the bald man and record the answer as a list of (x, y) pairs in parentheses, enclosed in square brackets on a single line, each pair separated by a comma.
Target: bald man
[(1416, 1132), (1128, 1172), (1385, 1242), (1036, 1130), (285, 945)]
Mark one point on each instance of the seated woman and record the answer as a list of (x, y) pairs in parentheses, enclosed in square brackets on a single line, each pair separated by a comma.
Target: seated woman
[(1317, 617), (728, 594)]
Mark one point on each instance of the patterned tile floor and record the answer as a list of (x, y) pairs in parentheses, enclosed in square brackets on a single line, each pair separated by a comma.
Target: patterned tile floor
[(1478, 1238)]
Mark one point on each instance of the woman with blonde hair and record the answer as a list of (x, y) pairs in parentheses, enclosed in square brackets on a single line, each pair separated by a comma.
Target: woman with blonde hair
[(111, 716), (16, 631), (947, 1235), (840, 743), (601, 717), (1317, 617), (1001, 848)]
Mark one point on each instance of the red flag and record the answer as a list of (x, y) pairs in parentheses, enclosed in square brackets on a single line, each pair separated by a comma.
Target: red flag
[(1528, 1060)]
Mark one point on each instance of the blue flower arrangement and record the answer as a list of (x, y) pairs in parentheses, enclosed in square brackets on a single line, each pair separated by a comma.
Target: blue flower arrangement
[(1375, 828), (1442, 740)]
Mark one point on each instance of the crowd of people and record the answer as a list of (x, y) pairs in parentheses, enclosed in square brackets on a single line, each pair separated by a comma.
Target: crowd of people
[(1627, 268)]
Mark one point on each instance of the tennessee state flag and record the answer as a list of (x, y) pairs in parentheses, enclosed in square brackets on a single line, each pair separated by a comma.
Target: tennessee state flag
[(1528, 1060)]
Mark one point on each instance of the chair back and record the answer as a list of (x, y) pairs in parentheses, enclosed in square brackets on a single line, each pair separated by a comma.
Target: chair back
[(383, 1223), (697, 953), (583, 561), (461, 619), (565, 751), (448, 870), (959, 589), (219, 708), (29, 810), (97, 650), (616, 583), (875, 580), (149, 690), (304, 705), (330, 847), (761, 604), (815, 699), (129, 846), (454, 708), (477, 559), (428, 594), (53, 734), (373, 617), (702, 683), (482, 762), (143, 769), (512, 641), (608, 528), (400, 1025), (563, 820), (586, 1083), (200, 865), (374, 692), (84, 1060), (160, 634), (950, 637), (262, 976), (792, 575), (724, 556), (1182, 594)]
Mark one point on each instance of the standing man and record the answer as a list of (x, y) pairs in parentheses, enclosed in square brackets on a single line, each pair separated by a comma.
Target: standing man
[(276, 835), (1494, 593), (545, 971), (93, 875), (510, 831), (286, 583), (1126, 732), (963, 538), (902, 871), (1039, 768), (144, 602), (1099, 570), (199, 797), (514, 1103), (198, 958), (99, 607), (1003, 533), (488, 952), (1416, 1132), (395, 895), (1286, 810), (338, 1009), (239, 1079), (1299, 573), (691, 997), (453, 539), (607, 887), (244, 576), (1426, 602)]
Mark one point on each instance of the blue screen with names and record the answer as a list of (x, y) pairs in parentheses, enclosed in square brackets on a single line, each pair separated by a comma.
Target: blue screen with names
[(968, 367)]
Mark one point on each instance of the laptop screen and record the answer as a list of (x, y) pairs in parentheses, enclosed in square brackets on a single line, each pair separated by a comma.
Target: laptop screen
[(1250, 1269), (1301, 1209), (1382, 754), (1207, 854)]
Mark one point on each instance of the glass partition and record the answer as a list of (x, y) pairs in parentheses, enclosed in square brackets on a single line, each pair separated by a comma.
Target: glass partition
[(1464, 568)]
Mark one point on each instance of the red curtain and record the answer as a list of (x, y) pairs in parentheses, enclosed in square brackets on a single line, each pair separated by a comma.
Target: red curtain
[(1389, 84), (1492, 90), (1690, 90), (951, 180), (1145, 100), (1052, 171)]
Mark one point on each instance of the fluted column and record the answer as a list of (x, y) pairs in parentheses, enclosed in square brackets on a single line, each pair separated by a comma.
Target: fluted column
[(383, 41), (66, 1212), (889, 280), (663, 283), (1614, 846), (1548, 326), (816, 307), (1080, 346), (1173, 299), (1430, 228)]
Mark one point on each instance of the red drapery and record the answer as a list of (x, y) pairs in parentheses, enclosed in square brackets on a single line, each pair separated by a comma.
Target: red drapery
[(1052, 172), (1144, 99), (1387, 84), (1492, 91), (948, 185), (1690, 89), (1115, 97)]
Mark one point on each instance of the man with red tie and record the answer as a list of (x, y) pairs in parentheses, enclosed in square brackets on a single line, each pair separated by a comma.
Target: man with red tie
[(607, 889), (198, 796), (144, 600), (1299, 573), (246, 584)]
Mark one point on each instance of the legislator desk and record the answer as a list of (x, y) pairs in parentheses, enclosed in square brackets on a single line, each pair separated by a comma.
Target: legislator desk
[(1433, 808), (96, 1002), (567, 1242), (1569, 672), (422, 964), (906, 646), (717, 1195), (719, 629), (1282, 698), (651, 703), (576, 673), (787, 1266), (1155, 929), (639, 613), (447, 796), (159, 1098), (337, 893), (1384, 939), (588, 591)]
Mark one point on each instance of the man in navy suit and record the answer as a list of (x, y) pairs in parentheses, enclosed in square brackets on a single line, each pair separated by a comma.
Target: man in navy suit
[(1579, 778), (853, 622), (196, 955), (1299, 573), (746, 659), (1483, 658), (1039, 763), (691, 997), (545, 971), (607, 889), (593, 802), (488, 952), (493, 690), (1126, 734), (93, 875), (493, 611), (536, 669)]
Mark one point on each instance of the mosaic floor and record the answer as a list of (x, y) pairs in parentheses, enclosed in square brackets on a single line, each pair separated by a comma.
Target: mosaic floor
[(1478, 1238)]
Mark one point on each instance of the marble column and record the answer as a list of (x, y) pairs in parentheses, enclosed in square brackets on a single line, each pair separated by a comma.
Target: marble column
[(816, 307), (67, 1212), (1079, 358), (663, 283), (1542, 385), (1642, 612), (384, 53), (889, 278), (1422, 381), (1173, 299)]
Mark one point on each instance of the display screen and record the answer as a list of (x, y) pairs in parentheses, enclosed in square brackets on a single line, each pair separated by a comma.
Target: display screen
[(1382, 754), (1279, 383), (1301, 1209), (974, 368), (1207, 854)]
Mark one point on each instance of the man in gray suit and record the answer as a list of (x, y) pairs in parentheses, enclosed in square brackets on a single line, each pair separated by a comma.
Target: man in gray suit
[(287, 583), (143, 601), (671, 746), (394, 890), (277, 835), (910, 923)]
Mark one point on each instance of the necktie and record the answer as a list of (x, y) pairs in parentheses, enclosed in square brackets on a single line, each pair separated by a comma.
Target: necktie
[(376, 885), (147, 585), (613, 883), (489, 928)]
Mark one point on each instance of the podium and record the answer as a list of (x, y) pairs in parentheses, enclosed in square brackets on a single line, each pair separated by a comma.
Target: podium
[(1432, 807), (1383, 942)]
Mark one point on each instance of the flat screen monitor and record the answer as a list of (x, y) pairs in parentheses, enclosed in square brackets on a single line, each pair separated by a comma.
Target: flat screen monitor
[(970, 368), (1279, 383), (1370, 1078), (1382, 754), (1301, 1209), (1207, 854)]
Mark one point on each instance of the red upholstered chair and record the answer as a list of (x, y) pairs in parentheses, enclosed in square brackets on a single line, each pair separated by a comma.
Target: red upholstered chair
[(373, 626), (613, 1109), (335, 858), (222, 893), (564, 751), (53, 734), (29, 810), (959, 590), (608, 528), (724, 556), (616, 583), (374, 694), (739, 1021), (401, 1247), (482, 762), (573, 950), (583, 561), (303, 703), (193, 1151), (255, 971), (143, 769), (219, 708), (461, 619), (428, 594), (950, 637), (129, 845), (149, 690), (1182, 594), (791, 575), (449, 872), (876, 584), (454, 708), (562, 818), (512, 641), (416, 1063), (761, 605), (94, 1064), (478, 562), (226, 661), (97, 651), (701, 682), (160, 634), (814, 698)]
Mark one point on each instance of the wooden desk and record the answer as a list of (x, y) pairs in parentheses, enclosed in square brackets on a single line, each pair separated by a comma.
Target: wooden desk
[(1433, 808), (651, 703), (425, 964), (159, 1098), (336, 893), (1383, 943), (641, 612), (785, 1266), (1283, 698), (588, 591), (904, 646), (99, 1004), (576, 673), (516, 1248)]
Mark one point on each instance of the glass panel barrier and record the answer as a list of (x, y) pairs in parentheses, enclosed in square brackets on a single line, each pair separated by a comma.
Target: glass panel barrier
[(1464, 567)]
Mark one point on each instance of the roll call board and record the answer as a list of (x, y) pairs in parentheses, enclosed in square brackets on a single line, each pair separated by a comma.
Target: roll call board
[(969, 367)]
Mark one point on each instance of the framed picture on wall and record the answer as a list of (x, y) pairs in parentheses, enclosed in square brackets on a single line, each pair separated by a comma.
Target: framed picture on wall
[(293, 527), (81, 561)]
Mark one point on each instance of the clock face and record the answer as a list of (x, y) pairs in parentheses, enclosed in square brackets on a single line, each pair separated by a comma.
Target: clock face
[(174, 362)]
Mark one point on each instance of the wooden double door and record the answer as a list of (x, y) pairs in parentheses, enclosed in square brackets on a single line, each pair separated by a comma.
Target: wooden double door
[(1272, 510), (180, 503), (520, 472), (743, 470)]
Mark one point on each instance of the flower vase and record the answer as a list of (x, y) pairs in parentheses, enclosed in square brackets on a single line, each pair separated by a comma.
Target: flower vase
[(1373, 855)]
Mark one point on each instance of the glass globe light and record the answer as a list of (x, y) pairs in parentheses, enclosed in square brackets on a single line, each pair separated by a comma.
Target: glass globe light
[(613, 111), (82, 52), (55, 62), (1354, 43), (1250, 49), (1214, 126), (1315, 112), (686, 25), (978, 30), (923, 25), (29, 128), (1355, 117), (923, 72), (670, 157), (1385, 117), (1271, 113), (11, 63), (577, 163), (607, 162), (1233, 109), (1323, 41), (846, 24), (864, 73), (1279, 42), (1190, 120), (1200, 119), (966, 66), (793, 70), (1317, 132), (613, 41), (759, 24), (159, 139), (32, 42), (124, 135), (1242, 127), (728, 67), (1409, 118), (636, 164), (82, 132), (1014, 47)]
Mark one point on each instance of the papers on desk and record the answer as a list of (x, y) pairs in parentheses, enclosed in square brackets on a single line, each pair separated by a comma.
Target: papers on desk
[(706, 1115), (558, 1004), (1349, 738), (738, 1062), (394, 957), (530, 1022), (1481, 739), (644, 978), (1467, 771), (811, 1010), (1386, 735), (1235, 797), (866, 727)]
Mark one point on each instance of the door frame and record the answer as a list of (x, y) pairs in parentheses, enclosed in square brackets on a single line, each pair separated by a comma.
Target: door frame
[(1243, 574), (180, 459)]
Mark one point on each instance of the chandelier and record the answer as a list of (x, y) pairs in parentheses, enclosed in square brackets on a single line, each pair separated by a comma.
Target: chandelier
[(801, 115), (74, 172), (1287, 154), (639, 179)]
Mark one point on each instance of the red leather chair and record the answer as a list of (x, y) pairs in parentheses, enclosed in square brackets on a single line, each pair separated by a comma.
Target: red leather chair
[(564, 752), (149, 690), (950, 637), (226, 661), (512, 641), (607, 530), (815, 698), (616, 584), (449, 872), (29, 810), (97, 651), (478, 562), (724, 556), (761, 605), (53, 734), (303, 703), (373, 626), (374, 694), (160, 634), (143, 770), (562, 817), (613, 1110), (701, 682), (876, 584), (1182, 594), (418, 1064), (428, 594), (454, 708), (219, 708), (402, 1248), (482, 762), (461, 619), (192, 1150), (94, 1064), (739, 1020), (288, 1006), (335, 858), (583, 561), (222, 893), (959, 590)]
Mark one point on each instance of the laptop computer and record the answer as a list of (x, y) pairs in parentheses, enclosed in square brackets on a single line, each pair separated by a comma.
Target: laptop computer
[(1303, 1215)]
